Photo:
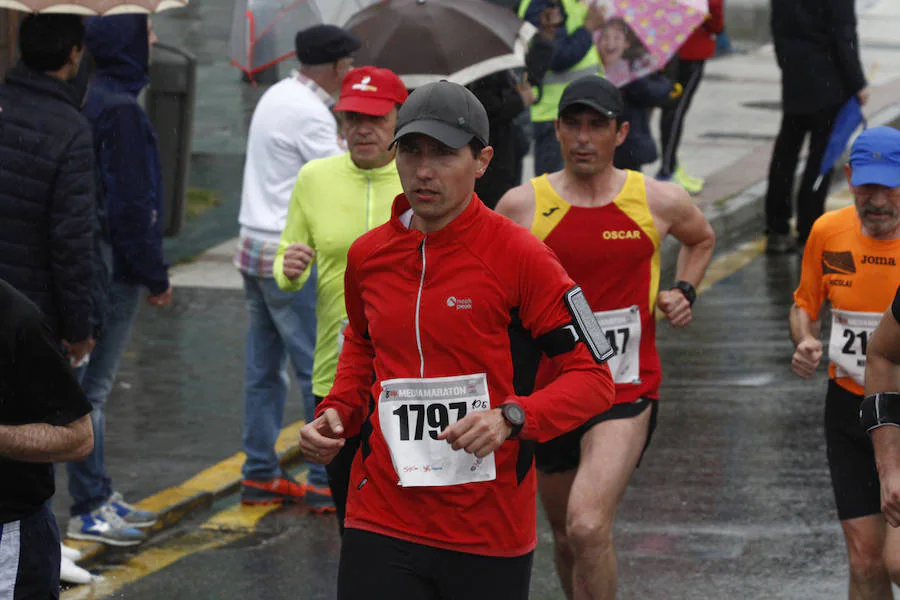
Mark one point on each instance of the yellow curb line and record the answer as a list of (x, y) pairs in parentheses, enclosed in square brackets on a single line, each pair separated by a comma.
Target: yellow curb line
[(200, 491), (211, 535)]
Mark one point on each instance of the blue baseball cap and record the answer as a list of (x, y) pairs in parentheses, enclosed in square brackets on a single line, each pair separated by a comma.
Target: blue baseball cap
[(875, 157)]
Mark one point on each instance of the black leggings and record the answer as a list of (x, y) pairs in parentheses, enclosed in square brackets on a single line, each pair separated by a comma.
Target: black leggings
[(785, 156), (376, 566), (339, 475), (671, 121)]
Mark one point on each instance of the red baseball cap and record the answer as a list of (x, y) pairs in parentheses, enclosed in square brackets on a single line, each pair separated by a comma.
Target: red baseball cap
[(371, 91)]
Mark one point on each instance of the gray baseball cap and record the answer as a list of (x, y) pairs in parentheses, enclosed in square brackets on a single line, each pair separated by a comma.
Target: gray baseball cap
[(445, 111)]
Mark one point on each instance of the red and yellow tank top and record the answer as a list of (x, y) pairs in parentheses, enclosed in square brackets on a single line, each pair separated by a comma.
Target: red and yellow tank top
[(612, 252)]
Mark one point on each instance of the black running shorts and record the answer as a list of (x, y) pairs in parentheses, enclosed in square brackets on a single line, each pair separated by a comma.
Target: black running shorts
[(563, 454), (851, 458), (375, 566)]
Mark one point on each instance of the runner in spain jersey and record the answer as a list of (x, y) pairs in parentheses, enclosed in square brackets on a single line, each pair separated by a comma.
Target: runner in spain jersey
[(606, 226)]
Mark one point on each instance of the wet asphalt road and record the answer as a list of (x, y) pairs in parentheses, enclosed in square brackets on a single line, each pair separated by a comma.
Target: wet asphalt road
[(733, 498)]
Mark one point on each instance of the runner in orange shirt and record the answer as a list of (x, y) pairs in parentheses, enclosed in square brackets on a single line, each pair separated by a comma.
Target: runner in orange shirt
[(851, 260)]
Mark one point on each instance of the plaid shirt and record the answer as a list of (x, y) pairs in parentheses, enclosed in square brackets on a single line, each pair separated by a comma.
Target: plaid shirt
[(255, 257), (324, 96)]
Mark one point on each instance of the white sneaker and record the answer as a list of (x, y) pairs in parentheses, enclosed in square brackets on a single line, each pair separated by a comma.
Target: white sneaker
[(70, 553), (69, 572)]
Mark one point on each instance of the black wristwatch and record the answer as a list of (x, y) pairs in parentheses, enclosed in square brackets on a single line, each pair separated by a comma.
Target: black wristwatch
[(687, 289), (514, 414)]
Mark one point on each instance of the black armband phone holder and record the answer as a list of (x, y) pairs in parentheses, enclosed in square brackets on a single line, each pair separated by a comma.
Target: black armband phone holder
[(880, 409), (583, 328)]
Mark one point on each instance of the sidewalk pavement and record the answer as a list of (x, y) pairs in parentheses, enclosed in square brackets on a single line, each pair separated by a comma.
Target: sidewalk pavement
[(728, 137), (177, 404)]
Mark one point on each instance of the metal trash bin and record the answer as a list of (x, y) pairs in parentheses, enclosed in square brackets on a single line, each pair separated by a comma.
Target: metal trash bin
[(170, 106)]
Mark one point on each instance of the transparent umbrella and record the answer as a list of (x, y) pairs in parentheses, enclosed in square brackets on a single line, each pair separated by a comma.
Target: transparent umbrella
[(263, 31), (338, 12)]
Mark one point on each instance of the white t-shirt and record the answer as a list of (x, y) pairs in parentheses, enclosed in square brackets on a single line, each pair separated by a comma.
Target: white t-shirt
[(292, 125)]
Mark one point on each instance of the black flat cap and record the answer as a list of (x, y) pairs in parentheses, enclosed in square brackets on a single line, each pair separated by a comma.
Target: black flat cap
[(323, 44)]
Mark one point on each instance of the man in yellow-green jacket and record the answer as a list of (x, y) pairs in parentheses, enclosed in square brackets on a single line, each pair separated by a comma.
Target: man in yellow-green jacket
[(574, 56), (336, 200)]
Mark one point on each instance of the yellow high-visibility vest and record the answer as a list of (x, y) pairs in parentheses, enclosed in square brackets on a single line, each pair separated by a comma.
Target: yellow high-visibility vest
[(554, 83)]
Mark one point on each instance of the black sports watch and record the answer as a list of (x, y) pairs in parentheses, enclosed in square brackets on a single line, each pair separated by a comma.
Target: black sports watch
[(687, 289), (514, 414)]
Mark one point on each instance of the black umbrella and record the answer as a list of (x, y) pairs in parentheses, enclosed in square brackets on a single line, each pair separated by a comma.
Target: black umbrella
[(429, 40)]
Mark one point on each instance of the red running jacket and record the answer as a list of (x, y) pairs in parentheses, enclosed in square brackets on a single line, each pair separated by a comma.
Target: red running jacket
[(474, 274), (701, 45)]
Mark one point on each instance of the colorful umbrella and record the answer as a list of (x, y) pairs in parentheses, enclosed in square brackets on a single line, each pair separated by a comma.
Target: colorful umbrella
[(92, 7), (429, 40), (641, 36), (263, 31)]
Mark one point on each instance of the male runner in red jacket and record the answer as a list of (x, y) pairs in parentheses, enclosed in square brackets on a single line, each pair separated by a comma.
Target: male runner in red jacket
[(442, 492)]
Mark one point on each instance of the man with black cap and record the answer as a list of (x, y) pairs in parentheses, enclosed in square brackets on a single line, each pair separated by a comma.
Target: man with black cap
[(442, 495), (606, 225), (292, 125)]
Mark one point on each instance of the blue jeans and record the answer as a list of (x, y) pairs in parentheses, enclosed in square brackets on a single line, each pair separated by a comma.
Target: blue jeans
[(282, 325), (89, 485), (547, 155)]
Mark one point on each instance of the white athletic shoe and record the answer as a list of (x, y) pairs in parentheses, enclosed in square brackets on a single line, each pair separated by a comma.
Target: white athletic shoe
[(69, 572), (70, 553)]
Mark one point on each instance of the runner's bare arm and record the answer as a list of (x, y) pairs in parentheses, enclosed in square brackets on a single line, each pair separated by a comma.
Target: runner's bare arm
[(675, 213), (883, 357), (805, 334), (886, 441), (518, 204), (802, 325), (883, 375)]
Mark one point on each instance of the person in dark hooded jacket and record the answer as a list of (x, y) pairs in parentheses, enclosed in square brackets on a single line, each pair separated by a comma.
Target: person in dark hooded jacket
[(46, 180), (132, 198), (641, 97)]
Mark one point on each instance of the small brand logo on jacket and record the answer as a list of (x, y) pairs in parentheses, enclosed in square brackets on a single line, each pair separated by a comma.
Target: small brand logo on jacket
[(459, 303), (840, 263)]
